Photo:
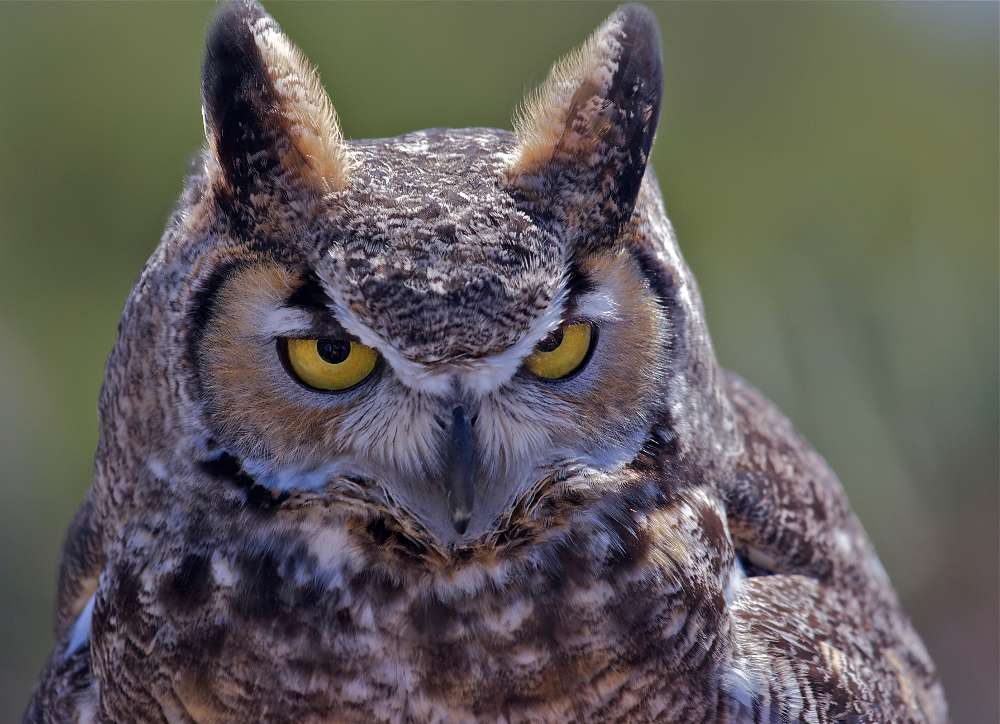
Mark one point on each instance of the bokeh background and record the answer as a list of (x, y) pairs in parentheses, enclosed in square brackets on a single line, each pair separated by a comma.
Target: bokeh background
[(831, 169)]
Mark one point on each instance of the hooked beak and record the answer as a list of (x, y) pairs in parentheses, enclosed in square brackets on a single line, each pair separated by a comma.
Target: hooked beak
[(459, 474)]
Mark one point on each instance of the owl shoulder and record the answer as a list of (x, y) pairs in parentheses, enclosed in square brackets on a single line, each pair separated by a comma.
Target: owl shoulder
[(787, 510)]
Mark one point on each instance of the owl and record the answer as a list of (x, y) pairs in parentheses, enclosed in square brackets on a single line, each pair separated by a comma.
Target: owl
[(430, 428)]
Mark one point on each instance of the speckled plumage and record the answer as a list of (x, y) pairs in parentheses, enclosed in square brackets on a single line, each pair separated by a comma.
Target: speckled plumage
[(650, 539)]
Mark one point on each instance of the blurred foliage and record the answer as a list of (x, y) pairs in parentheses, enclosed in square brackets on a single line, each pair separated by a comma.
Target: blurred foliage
[(831, 169)]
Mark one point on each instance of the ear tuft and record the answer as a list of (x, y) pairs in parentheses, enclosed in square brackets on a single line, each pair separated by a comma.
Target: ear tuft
[(588, 129), (309, 114), (541, 119), (264, 106)]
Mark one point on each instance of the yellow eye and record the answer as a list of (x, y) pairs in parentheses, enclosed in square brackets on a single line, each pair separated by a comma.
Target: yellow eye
[(563, 352), (330, 364)]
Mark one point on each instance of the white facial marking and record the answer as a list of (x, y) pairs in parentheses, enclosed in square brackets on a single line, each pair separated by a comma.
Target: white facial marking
[(599, 305), (416, 376), (285, 322), (485, 375), (490, 373)]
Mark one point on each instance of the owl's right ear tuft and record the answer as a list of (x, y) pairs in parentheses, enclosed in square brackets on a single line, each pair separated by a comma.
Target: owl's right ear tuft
[(584, 137), (267, 116)]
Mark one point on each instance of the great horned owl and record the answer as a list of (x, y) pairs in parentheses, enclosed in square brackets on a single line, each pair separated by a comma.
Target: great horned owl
[(430, 428)]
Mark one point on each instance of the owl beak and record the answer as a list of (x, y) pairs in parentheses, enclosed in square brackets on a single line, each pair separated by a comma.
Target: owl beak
[(459, 476)]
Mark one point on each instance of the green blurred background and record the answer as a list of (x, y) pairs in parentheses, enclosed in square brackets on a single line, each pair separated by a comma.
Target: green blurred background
[(831, 169)]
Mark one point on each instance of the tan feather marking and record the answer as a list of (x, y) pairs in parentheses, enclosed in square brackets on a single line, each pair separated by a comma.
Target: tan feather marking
[(542, 120), (671, 551), (310, 119), (903, 677), (835, 660), (632, 347), (195, 695)]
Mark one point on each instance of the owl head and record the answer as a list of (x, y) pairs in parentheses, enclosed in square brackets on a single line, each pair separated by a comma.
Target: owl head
[(450, 332)]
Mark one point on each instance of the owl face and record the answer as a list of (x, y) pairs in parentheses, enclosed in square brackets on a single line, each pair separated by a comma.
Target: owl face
[(446, 319)]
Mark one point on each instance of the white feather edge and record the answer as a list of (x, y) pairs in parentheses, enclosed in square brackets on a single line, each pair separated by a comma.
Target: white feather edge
[(80, 633)]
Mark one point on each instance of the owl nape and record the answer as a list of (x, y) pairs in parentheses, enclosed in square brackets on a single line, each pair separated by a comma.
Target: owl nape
[(430, 428)]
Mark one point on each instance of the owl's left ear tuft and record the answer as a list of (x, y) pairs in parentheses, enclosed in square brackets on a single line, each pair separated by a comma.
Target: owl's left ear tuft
[(264, 107), (584, 137)]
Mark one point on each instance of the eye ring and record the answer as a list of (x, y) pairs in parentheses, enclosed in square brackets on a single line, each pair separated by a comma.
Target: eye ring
[(565, 356), (324, 365)]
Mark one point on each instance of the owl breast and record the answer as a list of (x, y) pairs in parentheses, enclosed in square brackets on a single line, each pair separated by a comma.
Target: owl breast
[(326, 616)]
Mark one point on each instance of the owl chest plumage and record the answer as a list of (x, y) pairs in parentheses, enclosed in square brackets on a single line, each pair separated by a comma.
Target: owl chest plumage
[(306, 621)]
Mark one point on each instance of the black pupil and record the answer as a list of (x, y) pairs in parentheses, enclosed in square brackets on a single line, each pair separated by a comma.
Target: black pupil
[(551, 342), (333, 351)]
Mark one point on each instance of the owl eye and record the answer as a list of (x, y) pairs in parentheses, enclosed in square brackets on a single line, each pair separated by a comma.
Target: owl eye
[(563, 352), (329, 364)]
